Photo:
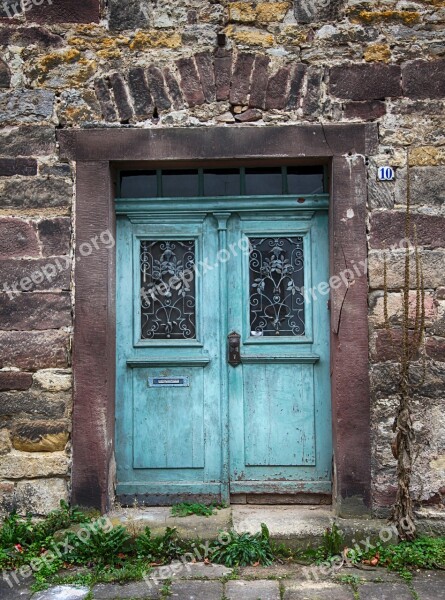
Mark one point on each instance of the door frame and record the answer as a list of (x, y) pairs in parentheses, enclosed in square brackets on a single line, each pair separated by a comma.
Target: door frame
[(98, 153)]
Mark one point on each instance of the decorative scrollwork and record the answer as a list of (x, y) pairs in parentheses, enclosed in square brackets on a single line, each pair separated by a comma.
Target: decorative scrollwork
[(168, 290), (276, 281)]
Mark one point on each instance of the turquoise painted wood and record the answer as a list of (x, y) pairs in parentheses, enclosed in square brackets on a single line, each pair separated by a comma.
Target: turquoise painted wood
[(263, 426)]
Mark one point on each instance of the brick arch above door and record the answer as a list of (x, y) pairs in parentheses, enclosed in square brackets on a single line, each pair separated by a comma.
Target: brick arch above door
[(242, 79)]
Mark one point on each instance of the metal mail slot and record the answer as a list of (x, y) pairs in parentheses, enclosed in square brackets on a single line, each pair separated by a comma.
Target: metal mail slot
[(168, 382)]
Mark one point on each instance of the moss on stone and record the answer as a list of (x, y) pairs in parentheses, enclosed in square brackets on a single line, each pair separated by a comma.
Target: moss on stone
[(377, 53), (155, 39), (407, 17)]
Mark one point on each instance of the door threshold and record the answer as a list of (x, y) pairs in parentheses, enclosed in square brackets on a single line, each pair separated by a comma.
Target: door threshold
[(282, 499)]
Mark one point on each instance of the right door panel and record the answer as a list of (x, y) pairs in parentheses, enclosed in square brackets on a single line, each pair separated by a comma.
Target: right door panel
[(279, 396)]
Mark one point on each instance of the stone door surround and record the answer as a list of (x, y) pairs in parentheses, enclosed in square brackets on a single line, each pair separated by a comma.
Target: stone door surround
[(98, 153)]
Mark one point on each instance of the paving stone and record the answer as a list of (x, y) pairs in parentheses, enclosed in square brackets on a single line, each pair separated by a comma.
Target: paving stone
[(14, 590), (302, 590), (63, 592), (200, 569), (252, 590), (385, 591), (139, 589), (197, 590), (430, 585)]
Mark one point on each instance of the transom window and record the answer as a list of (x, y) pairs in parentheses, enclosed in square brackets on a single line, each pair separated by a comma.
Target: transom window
[(210, 182)]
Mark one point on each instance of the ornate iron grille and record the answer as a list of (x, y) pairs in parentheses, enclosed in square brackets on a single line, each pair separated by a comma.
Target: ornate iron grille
[(276, 283), (168, 302)]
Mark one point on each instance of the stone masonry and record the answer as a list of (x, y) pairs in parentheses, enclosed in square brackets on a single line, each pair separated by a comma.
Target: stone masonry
[(196, 63)]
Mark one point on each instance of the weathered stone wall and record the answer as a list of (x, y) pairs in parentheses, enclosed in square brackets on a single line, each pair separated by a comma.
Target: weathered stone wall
[(158, 63)]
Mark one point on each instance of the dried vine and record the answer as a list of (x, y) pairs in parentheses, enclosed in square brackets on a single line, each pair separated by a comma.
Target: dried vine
[(412, 335)]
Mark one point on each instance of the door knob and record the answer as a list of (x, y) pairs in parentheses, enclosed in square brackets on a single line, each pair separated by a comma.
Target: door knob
[(233, 349)]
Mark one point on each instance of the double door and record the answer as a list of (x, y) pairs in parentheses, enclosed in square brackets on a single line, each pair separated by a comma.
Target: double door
[(222, 352)]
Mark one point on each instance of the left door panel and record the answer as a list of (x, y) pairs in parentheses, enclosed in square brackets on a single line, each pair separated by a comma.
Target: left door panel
[(168, 416)]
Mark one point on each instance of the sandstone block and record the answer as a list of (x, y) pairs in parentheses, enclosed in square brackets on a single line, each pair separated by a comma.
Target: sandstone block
[(26, 36), (5, 442), (142, 102), (173, 89), (271, 12), (156, 84), (386, 228), (40, 436), (311, 102), (5, 75), (106, 103), (388, 346), (365, 111), (26, 106), (424, 156), (53, 380), (424, 79), (250, 37), (427, 185), (365, 82), (204, 62), (29, 465), (433, 261), (259, 82), (249, 116), (276, 95), (18, 166), (128, 15), (32, 405), (17, 239), (40, 496), (296, 84), (35, 193), (435, 348), (241, 79), (34, 350), (242, 12), (222, 65), (190, 83), (15, 380), (395, 308), (55, 236), (121, 97), (35, 274), (28, 140), (35, 311), (69, 11)]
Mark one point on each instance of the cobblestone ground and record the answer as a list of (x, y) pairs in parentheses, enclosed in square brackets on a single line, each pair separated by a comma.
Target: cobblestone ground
[(272, 583)]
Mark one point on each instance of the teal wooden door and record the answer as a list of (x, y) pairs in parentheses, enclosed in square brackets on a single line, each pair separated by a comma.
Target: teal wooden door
[(279, 396), (188, 423)]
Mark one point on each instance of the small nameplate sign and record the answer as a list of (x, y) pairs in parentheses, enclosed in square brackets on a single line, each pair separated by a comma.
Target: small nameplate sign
[(168, 382)]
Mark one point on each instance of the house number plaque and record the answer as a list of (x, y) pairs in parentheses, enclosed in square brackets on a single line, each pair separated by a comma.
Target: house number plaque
[(168, 382)]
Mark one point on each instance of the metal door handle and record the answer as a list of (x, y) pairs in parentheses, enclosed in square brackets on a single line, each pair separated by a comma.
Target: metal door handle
[(234, 349)]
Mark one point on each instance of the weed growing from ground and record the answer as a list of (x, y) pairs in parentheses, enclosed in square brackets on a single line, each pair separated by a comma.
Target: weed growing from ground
[(185, 509), (245, 549)]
